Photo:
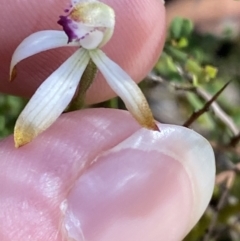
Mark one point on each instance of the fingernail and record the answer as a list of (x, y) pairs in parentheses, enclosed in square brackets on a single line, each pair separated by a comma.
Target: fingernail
[(152, 186)]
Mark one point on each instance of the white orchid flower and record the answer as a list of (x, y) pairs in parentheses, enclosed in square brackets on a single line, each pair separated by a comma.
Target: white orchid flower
[(89, 24)]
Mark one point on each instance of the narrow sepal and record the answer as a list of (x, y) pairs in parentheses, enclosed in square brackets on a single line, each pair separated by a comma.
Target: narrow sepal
[(51, 98), (36, 43), (126, 88)]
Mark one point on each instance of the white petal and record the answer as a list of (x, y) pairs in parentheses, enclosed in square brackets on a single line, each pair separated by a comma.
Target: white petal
[(51, 98), (125, 87), (38, 42), (92, 40)]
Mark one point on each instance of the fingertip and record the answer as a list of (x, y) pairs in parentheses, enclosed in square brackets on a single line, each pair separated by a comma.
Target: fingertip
[(199, 163), (120, 183), (38, 176), (135, 46), (129, 194), (143, 186)]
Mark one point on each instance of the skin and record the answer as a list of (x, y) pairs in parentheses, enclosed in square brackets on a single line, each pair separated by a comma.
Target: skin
[(119, 181), (203, 10), (140, 39)]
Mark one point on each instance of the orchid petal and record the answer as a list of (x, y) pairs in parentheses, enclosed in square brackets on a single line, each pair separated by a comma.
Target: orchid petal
[(93, 40), (126, 88), (38, 42), (51, 98)]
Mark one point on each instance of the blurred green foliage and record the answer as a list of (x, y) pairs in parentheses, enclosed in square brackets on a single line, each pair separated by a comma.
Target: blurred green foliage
[(10, 108), (193, 60), (199, 65), (179, 50)]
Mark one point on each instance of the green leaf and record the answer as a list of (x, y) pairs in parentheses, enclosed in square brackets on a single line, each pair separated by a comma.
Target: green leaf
[(193, 67), (176, 54), (180, 27), (211, 71), (187, 27), (176, 26), (182, 43)]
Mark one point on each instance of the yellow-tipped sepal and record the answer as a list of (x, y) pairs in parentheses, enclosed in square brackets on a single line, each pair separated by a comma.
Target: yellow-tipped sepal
[(51, 98), (126, 88)]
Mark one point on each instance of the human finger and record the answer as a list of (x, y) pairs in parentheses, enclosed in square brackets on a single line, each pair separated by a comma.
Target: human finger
[(92, 177), (135, 46)]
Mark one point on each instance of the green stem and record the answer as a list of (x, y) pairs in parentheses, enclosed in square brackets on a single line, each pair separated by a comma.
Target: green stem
[(85, 82)]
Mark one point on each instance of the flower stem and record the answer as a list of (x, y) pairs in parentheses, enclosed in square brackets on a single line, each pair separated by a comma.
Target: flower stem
[(88, 76)]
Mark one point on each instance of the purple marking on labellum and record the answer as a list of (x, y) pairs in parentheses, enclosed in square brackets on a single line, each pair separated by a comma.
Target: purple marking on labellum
[(65, 22), (84, 36), (66, 10), (87, 34)]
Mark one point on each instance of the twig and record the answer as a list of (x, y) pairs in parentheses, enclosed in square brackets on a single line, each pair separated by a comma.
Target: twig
[(154, 77), (226, 148), (205, 108), (218, 110), (228, 178), (161, 80), (237, 220), (234, 140)]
